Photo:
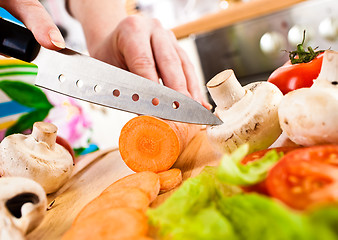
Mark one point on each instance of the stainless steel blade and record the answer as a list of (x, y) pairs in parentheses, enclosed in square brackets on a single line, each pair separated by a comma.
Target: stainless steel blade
[(82, 77)]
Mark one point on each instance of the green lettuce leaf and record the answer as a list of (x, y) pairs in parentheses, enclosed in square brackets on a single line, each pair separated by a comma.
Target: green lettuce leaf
[(258, 217), (232, 171), (207, 208), (208, 223), (325, 222), (187, 202)]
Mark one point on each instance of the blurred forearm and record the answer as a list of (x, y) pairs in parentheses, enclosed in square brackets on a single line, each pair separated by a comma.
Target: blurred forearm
[(97, 17)]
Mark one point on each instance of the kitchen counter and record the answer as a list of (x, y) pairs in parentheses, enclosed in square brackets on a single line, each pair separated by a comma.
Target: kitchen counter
[(234, 13)]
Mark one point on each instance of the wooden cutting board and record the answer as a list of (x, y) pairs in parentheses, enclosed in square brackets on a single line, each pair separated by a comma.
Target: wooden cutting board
[(104, 168)]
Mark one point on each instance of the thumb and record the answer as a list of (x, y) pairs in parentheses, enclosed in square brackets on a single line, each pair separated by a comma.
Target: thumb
[(36, 19)]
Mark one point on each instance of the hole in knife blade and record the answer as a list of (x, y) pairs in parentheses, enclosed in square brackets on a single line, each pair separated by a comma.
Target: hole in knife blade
[(62, 78), (155, 101), (116, 92), (97, 88), (79, 83), (135, 97), (176, 105)]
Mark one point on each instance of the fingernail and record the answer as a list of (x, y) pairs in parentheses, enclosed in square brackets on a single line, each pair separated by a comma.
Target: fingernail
[(57, 39)]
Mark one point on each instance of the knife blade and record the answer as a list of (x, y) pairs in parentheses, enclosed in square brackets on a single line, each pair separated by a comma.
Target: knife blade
[(79, 76)]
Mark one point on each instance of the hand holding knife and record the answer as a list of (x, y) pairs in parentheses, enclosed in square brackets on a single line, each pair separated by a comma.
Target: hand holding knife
[(79, 76)]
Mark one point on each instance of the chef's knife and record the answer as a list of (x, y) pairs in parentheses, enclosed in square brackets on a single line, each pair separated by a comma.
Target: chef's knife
[(76, 75)]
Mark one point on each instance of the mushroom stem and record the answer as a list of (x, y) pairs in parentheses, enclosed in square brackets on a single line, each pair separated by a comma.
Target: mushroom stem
[(225, 90), (329, 71), (45, 132)]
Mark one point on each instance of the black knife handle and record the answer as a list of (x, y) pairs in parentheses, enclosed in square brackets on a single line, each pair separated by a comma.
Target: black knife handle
[(17, 41)]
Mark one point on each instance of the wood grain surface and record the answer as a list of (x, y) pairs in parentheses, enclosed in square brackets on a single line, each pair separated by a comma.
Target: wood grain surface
[(98, 170), (235, 13)]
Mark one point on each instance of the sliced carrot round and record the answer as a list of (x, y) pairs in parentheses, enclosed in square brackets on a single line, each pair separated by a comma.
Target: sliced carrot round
[(120, 197), (149, 144), (148, 182), (170, 179), (113, 223)]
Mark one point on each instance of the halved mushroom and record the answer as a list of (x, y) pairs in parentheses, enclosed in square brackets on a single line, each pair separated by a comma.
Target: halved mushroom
[(37, 156), (309, 116), (249, 113), (23, 205)]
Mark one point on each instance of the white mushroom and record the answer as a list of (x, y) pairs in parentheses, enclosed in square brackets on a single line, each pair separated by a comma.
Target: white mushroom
[(249, 113), (37, 156), (309, 116), (23, 205)]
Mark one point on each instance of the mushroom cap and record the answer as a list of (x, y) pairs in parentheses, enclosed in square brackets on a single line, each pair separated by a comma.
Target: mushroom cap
[(253, 120), (23, 205), (309, 115), (23, 156)]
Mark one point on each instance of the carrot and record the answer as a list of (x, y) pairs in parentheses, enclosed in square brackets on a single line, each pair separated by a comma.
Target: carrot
[(120, 197), (150, 144), (138, 238), (170, 179), (148, 182), (113, 223)]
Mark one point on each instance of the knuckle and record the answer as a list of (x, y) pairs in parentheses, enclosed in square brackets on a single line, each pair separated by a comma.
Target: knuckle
[(131, 22), (143, 62), (32, 4), (170, 59)]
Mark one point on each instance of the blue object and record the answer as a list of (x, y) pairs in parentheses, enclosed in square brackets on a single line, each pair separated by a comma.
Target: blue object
[(11, 108), (8, 16), (91, 148)]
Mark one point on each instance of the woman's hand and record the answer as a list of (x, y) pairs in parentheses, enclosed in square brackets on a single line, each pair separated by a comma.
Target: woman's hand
[(142, 46), (36, 19)]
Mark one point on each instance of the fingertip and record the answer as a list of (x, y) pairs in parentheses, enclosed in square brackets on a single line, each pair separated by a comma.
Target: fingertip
[(49, 37), (56, 38)]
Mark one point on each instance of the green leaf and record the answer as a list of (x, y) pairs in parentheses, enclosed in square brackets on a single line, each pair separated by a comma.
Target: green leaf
[(26, 121), (25, 94), (187, 204), (325, 221), (257, 217), (208, 223), (232, 171)]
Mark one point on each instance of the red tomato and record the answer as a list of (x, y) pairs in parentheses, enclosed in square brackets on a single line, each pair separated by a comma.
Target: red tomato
[(261, 187), (305, 177), (293, 76), (259, 154)]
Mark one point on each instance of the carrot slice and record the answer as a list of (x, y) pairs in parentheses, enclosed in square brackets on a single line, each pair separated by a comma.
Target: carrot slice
[(150, 144), (148, 182), (113, 223), (170, 179), (120, 197)]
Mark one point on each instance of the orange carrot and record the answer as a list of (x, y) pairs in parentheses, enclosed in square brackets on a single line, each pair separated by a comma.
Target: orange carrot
[(148, 182), (120, 197), (170, 179), (112, 224), (137, 238), (150, 144)]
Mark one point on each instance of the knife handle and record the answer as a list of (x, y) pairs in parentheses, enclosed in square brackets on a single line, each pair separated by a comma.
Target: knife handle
[(17, 41)]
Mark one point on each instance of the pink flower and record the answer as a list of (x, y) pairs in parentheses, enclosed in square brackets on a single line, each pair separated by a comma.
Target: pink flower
[(72, 122)]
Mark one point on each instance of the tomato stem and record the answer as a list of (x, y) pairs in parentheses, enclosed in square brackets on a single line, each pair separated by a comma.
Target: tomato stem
[(301, 55)]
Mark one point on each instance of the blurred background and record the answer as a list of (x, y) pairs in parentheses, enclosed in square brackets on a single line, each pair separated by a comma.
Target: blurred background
[(250, 37)]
